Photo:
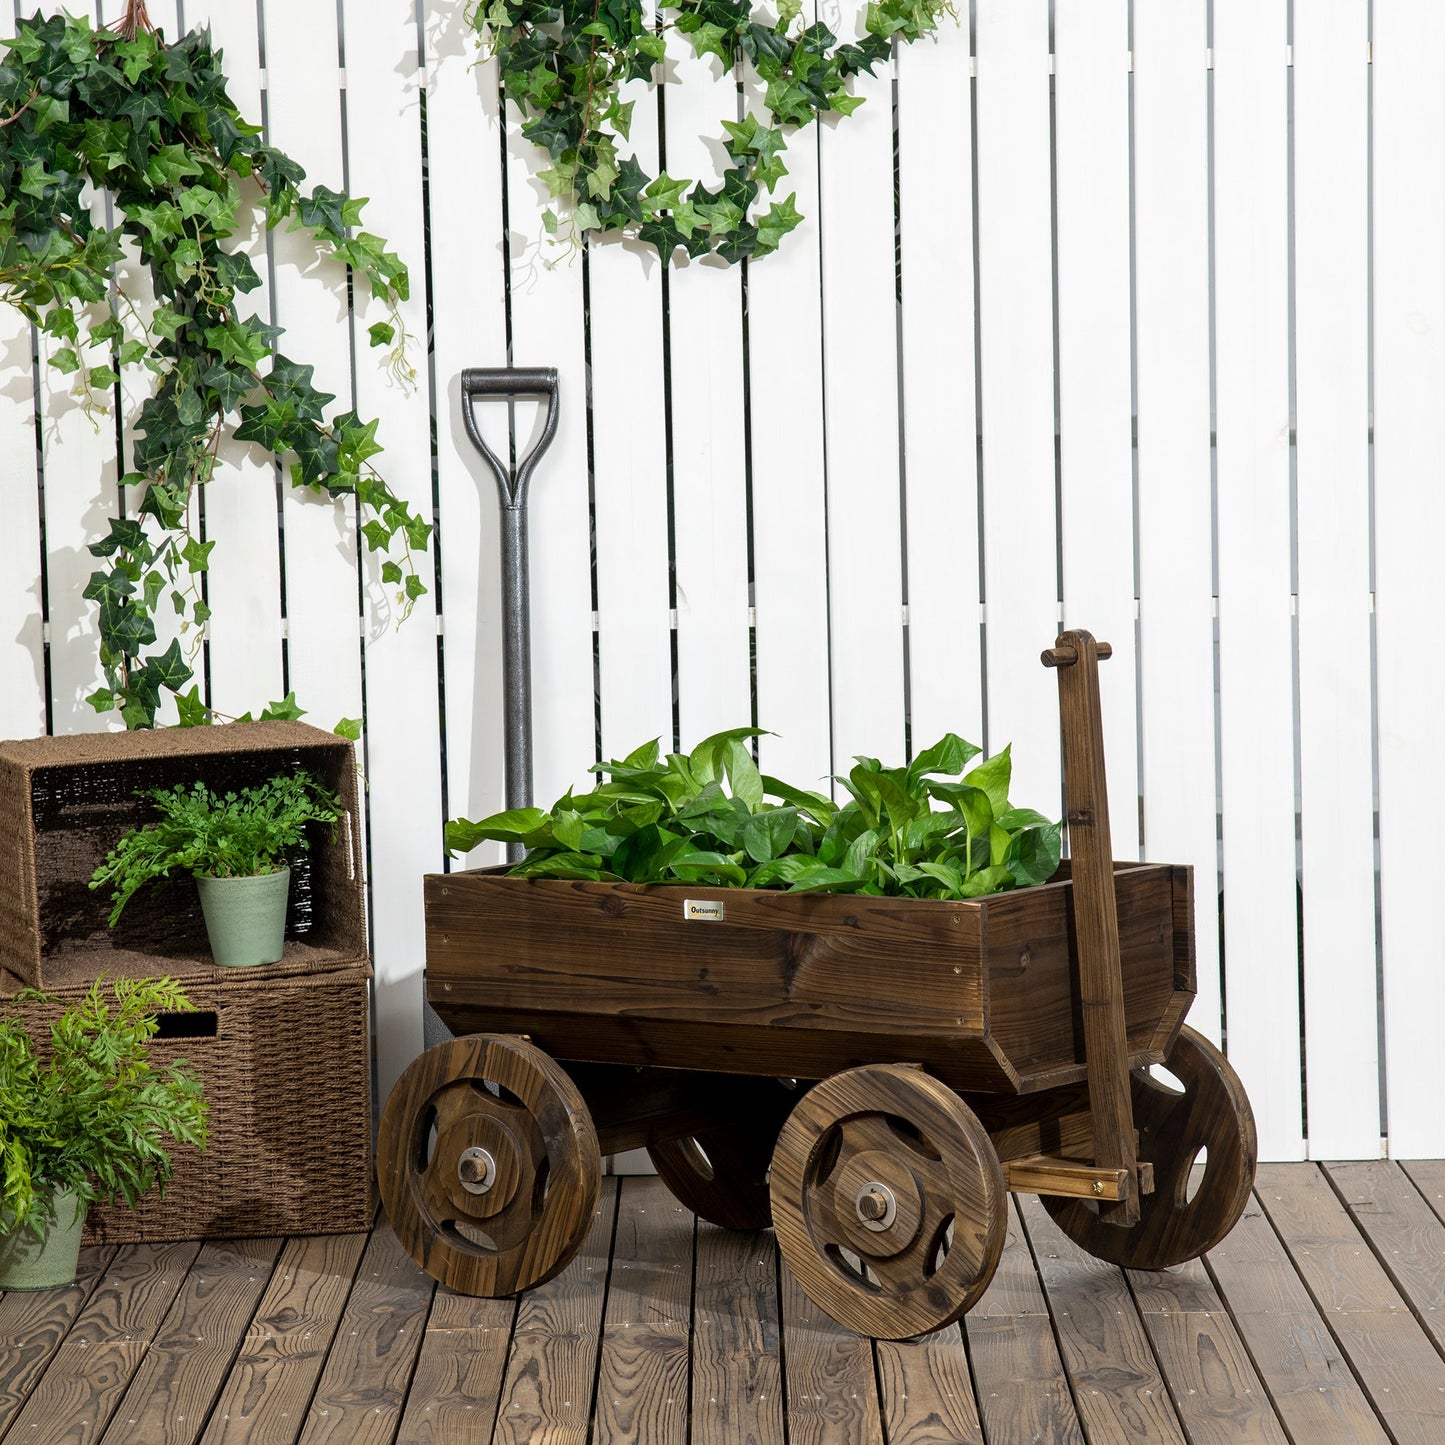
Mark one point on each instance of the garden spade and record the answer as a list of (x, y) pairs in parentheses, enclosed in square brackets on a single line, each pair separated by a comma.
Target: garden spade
[(510, 384)]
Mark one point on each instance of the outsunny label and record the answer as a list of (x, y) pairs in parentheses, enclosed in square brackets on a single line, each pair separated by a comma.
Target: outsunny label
[(702, 910)]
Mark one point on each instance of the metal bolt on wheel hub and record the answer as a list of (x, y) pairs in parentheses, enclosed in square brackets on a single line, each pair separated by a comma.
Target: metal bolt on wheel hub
[(477, 1170), (877, 1207)]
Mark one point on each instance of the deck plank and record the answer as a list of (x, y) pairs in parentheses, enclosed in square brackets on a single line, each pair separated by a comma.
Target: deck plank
[(737, 1377), (283, 1352), (547, 1395), (1310, 1383), (1023, 1390), (1400, 1370), (361, 1394), (90, 1372), (1428, 1176), (927, 1391), (458, 1381), (1118, 1390), (1405, 1233), (32, 1327), (1220, 1398), (184, 1370), (642, 1388), (832, 1393)]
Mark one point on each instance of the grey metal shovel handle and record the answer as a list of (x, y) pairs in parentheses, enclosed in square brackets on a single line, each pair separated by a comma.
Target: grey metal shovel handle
[(508, 383)]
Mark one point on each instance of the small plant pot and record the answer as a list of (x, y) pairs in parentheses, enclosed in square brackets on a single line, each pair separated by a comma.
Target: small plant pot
[(245, 917), (44, 1256)]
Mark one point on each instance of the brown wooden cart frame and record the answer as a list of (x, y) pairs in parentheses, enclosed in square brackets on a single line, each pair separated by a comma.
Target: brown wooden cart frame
[(872, 1076)]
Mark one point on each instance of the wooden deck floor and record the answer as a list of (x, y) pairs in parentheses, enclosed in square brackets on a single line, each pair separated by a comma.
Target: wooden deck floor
[(1321, 1319)]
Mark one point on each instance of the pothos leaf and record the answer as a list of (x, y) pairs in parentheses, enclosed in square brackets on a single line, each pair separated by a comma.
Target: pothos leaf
[(673, 820)]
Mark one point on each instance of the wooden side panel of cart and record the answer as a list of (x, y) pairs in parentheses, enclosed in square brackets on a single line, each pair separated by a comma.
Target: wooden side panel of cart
[(984, 993)]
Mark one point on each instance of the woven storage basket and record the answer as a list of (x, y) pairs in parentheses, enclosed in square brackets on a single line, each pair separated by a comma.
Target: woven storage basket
[(64, 802), (286, 1066)]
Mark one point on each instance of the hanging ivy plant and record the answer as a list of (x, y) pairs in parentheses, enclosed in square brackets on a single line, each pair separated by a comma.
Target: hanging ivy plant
[(123, 114), (562, 66)]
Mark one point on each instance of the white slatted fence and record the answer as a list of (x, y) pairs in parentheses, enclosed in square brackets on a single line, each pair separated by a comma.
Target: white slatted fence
[(1409, 517), (1253, 520), (1110, 353)]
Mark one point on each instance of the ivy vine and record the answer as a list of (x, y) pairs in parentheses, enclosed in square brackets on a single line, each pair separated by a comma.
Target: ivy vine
[(562, 66), (148, 124)]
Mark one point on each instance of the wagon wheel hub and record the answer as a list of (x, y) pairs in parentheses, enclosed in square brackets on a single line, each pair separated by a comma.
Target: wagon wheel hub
[(877, 1208), (489, 1161), (477, 1170), (878, 1198)]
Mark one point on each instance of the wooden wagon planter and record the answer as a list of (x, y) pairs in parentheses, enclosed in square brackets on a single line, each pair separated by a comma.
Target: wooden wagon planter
[(870, 1075)]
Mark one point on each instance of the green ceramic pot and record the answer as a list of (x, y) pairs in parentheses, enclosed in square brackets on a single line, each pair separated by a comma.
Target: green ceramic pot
[(44, 1256), (245, 917)]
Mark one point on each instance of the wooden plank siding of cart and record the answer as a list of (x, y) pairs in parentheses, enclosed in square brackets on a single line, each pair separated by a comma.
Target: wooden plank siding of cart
[(981, 992)]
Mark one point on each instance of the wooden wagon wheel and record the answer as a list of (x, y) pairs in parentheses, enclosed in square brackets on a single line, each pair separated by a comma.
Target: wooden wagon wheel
[(1212, 1113), (889, 1201), (720, 1171), (720, 1174), (488, 1164)]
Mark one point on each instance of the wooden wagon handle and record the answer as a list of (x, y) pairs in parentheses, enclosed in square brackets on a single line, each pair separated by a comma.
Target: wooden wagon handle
[(1067, 656), (1096, 919)]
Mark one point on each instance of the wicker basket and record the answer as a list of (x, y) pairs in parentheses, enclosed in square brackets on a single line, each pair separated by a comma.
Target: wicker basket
[(286, 1066), (65, 801)]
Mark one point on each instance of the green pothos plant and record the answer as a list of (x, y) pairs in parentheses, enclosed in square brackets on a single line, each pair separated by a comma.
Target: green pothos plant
[(124, 115), (562, 65)]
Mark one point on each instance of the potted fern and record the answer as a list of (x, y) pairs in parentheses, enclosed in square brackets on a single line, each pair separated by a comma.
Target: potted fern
[(85, 1120), (237, 846)]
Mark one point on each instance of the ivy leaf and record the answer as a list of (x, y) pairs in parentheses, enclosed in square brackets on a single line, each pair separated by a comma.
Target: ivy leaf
[(228, 383), (233, 269), (769, 172), (125, 535), (290, 383), (242, 343), (742, 135), (266, 424), (169, 669), (349, 728), (315, 451), (135, 55), (284, 711), (788, 100), (168, 165), (125, 627), (356, 440), (781, 217), (197, 555), (190, 710), (166, 323), (664, 192), (710, 39)]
